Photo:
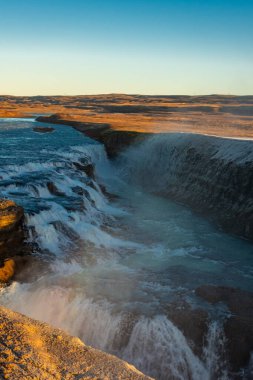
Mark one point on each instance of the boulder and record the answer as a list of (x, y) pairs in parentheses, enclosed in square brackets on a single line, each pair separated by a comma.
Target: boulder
[(7, 270), (88, 169), (12, 234), (53, 189), (110, 196), (10, 215), (80, 191)]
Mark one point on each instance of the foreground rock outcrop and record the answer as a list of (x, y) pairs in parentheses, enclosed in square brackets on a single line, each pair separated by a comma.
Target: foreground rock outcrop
[(34, 350), (7, 271), (12, 233)]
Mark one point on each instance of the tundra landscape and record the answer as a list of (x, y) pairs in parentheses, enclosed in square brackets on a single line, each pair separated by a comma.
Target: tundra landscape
[(126, 190)]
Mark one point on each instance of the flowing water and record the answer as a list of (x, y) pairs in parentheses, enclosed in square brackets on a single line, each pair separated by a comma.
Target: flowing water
[(114, 263)]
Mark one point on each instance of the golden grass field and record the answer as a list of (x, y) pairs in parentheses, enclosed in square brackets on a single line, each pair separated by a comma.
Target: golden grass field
[(214, 114)]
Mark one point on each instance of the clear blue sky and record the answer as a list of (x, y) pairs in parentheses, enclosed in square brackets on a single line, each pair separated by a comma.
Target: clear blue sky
[(126, 46)]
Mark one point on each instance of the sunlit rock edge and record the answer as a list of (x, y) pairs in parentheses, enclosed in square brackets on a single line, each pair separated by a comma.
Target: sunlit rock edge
[(33, 350)]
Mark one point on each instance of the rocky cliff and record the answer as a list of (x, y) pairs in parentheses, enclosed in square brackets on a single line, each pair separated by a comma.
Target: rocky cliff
[(12, 237), (11, 230), (34, 350)]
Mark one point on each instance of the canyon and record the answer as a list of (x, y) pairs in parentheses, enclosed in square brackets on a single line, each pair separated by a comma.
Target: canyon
[(194, 151)]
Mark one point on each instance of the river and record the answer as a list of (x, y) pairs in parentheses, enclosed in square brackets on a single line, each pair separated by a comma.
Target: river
[(115, 261)]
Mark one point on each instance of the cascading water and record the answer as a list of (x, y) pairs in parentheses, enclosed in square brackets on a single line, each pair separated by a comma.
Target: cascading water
[(113, 266), (156, 162)]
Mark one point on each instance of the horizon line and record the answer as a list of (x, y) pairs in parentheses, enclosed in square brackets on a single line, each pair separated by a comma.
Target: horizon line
[(128, 94)]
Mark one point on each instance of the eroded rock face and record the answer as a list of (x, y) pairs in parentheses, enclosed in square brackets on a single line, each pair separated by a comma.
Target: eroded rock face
[(238, 327), (10, 215), (86, 168), (192, 322), (7, 270), (35, 350), (12, 238), (54, 189), (11, 229)]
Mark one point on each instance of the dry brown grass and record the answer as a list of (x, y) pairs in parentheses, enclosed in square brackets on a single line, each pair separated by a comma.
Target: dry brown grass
[(215, 115)]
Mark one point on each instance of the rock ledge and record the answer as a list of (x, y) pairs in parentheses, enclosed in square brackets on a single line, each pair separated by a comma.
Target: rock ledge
[(34, 350)]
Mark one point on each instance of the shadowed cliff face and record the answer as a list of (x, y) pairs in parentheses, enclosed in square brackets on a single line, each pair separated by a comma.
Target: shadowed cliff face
[(30, 349)]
